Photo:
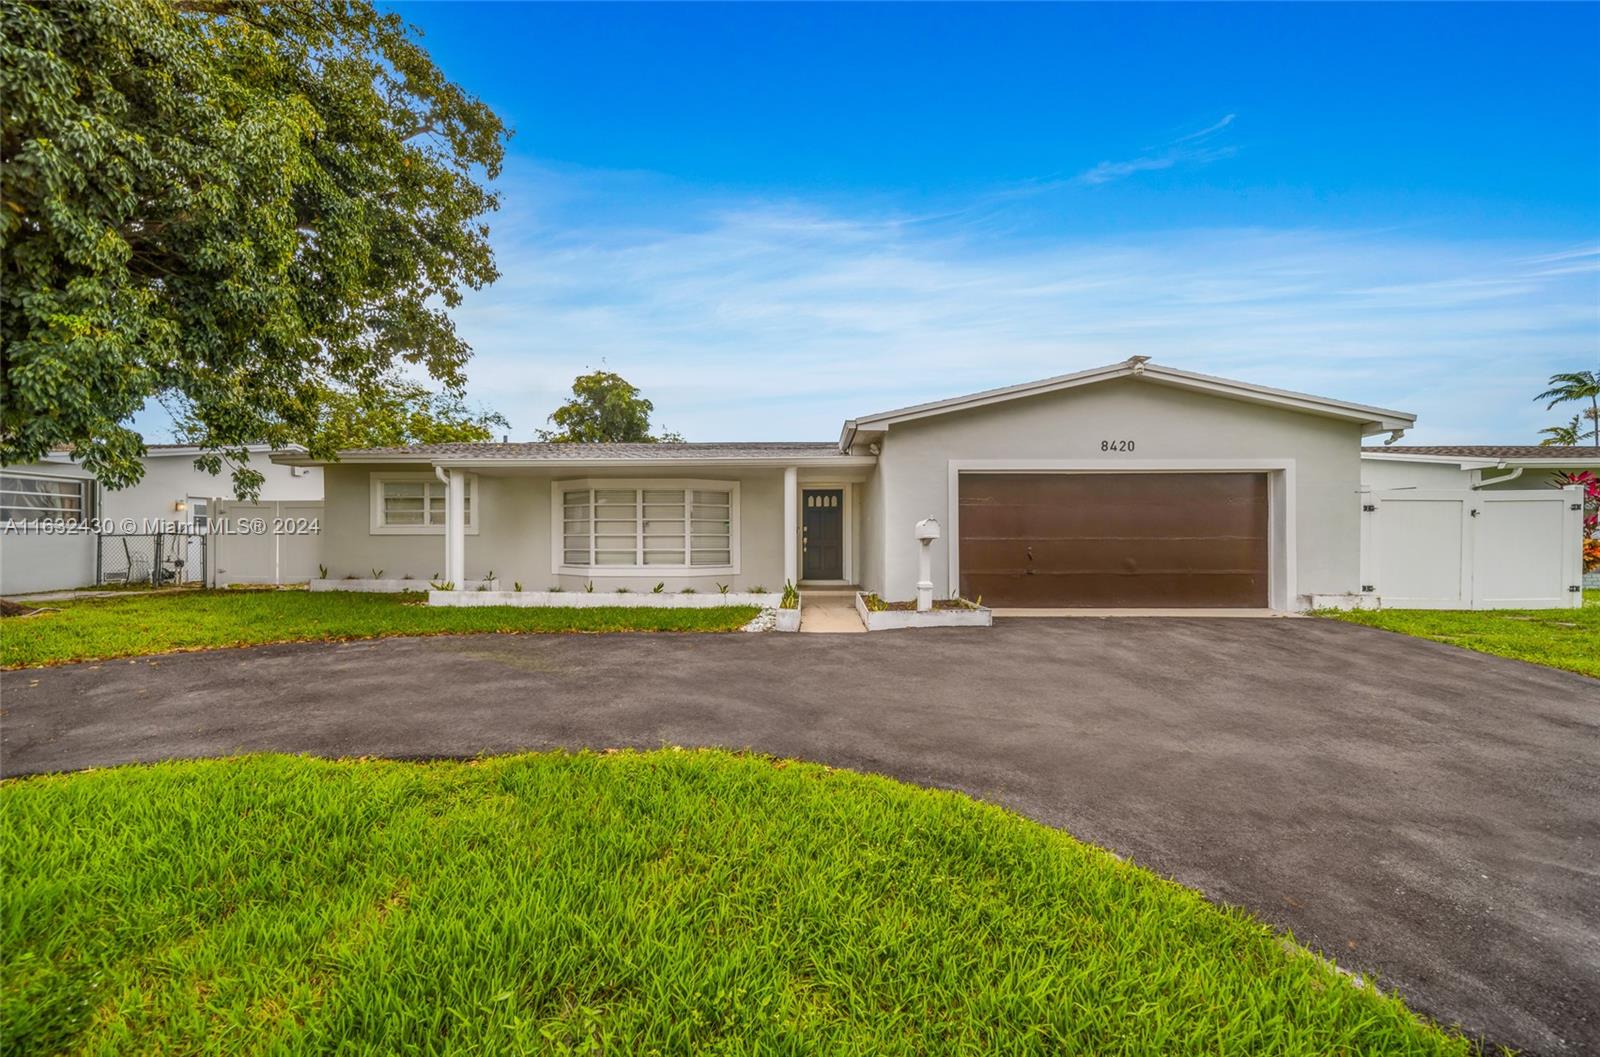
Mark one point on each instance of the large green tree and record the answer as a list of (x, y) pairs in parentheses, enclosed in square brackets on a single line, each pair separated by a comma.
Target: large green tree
[(233, 208), (604, 407)]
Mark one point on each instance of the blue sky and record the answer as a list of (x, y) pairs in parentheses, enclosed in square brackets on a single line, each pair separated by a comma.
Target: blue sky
[(773, 217)]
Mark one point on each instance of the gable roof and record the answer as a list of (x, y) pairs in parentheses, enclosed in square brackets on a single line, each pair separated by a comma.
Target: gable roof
[(1372, 419), (1474, 456)]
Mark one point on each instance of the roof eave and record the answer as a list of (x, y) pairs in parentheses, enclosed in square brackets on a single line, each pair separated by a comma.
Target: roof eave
[(1463, 461), (467, 462), (1373, 420)]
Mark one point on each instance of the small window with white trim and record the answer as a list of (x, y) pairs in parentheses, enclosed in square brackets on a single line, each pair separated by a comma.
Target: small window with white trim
[(648, 527), (415, 503)]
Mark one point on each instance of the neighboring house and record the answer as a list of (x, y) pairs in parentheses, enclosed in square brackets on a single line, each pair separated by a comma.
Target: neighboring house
[(1128, 485), (172, 490), (45, 542), (172, 497), (1474, 465)]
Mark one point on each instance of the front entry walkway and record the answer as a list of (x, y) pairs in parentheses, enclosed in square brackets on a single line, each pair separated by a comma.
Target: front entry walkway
[(829, 610)]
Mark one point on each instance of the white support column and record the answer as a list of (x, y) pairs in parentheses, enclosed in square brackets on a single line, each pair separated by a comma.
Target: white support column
[(791, 524), (455, 529)]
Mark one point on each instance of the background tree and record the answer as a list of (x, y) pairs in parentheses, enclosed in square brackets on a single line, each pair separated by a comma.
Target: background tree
[(396, 412), (604, 407), (1571, 433), (1577, 385), (236, 209)]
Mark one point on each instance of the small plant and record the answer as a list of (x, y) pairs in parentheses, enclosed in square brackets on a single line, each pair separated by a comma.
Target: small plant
[(873, 603), (351, 576), (658, 588), (442, 585), (557, 589), (516, 585), (488, 576), (377, 574), (758, 589), (791, 596), (588, 588), (722, 589), (687, 591), (435, 576), (407, 576), (484, 586), (622, 590), (322, 572)]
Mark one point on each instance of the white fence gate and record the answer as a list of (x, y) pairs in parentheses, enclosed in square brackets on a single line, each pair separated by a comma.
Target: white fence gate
[(1427, 548), (266, 543)]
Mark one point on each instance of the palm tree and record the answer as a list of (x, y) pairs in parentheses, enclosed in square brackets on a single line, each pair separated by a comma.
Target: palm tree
[(1571, 434), (1577, 385)]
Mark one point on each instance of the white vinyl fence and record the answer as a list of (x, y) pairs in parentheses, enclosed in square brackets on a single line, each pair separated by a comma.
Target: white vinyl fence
[(266, 543), (1459, 549)]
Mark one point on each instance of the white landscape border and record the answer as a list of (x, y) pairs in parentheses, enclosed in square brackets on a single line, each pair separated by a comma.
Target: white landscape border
[(594, 599), (385, 586), (768, 602), (895, 619)]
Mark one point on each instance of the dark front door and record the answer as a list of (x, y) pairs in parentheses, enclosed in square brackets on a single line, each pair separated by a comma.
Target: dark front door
[(1113, 539), (822, 536)]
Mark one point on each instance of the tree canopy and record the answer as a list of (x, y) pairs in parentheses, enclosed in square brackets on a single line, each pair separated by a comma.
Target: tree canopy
[(604, 407), (237, 209), (394, 413)]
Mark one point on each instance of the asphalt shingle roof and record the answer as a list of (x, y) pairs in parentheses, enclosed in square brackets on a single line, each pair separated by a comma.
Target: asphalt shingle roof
[(587, 452), (1555, 452)]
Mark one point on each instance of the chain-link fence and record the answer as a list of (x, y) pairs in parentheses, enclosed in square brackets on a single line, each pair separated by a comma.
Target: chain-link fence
[(154, 558)]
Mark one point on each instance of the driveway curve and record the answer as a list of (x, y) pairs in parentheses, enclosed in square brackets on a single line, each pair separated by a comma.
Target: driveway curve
[(1419, 813)]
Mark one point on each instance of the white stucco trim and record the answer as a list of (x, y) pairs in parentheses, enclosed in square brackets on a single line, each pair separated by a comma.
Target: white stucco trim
[(376, 526), (1372, 419), (1283, 552), (558, 527), (849, 515)]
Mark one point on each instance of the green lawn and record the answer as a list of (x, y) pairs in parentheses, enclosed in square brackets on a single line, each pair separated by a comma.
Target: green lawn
[(1560, 638), (192, 620), (664, 902)]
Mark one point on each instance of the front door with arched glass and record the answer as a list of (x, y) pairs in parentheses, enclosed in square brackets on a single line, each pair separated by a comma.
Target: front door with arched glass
[(822, 534)]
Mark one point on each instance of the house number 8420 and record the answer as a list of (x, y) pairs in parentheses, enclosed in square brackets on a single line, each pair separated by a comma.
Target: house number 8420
[(1116, 445)]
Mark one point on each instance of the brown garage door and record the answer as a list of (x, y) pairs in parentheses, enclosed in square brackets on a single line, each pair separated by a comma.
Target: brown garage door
[(1123, 539)]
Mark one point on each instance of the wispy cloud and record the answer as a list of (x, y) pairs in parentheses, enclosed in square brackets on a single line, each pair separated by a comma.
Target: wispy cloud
[(1194, 148), (756, 319), (753, 318)]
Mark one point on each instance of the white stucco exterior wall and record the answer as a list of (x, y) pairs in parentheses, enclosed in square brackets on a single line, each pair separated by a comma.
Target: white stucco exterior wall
[(1166, 424), (169, 478), (35, 561), (1396, 473), (514, 533)]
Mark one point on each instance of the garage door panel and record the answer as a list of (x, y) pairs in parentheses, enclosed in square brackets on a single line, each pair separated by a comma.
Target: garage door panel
[(1120, 555), (1115, 539), (1113, 590)]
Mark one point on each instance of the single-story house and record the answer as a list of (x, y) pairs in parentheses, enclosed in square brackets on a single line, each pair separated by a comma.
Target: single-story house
[(1129, 485), (172, 496)]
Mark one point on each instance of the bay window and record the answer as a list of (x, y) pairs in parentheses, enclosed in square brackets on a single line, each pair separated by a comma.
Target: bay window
[(648, 526)]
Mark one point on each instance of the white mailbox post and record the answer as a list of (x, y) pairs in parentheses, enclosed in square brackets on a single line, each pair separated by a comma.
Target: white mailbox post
[(927, 532)]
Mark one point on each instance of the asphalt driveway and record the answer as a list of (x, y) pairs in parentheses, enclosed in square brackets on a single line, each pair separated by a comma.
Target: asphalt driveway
[(1417, 812)]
